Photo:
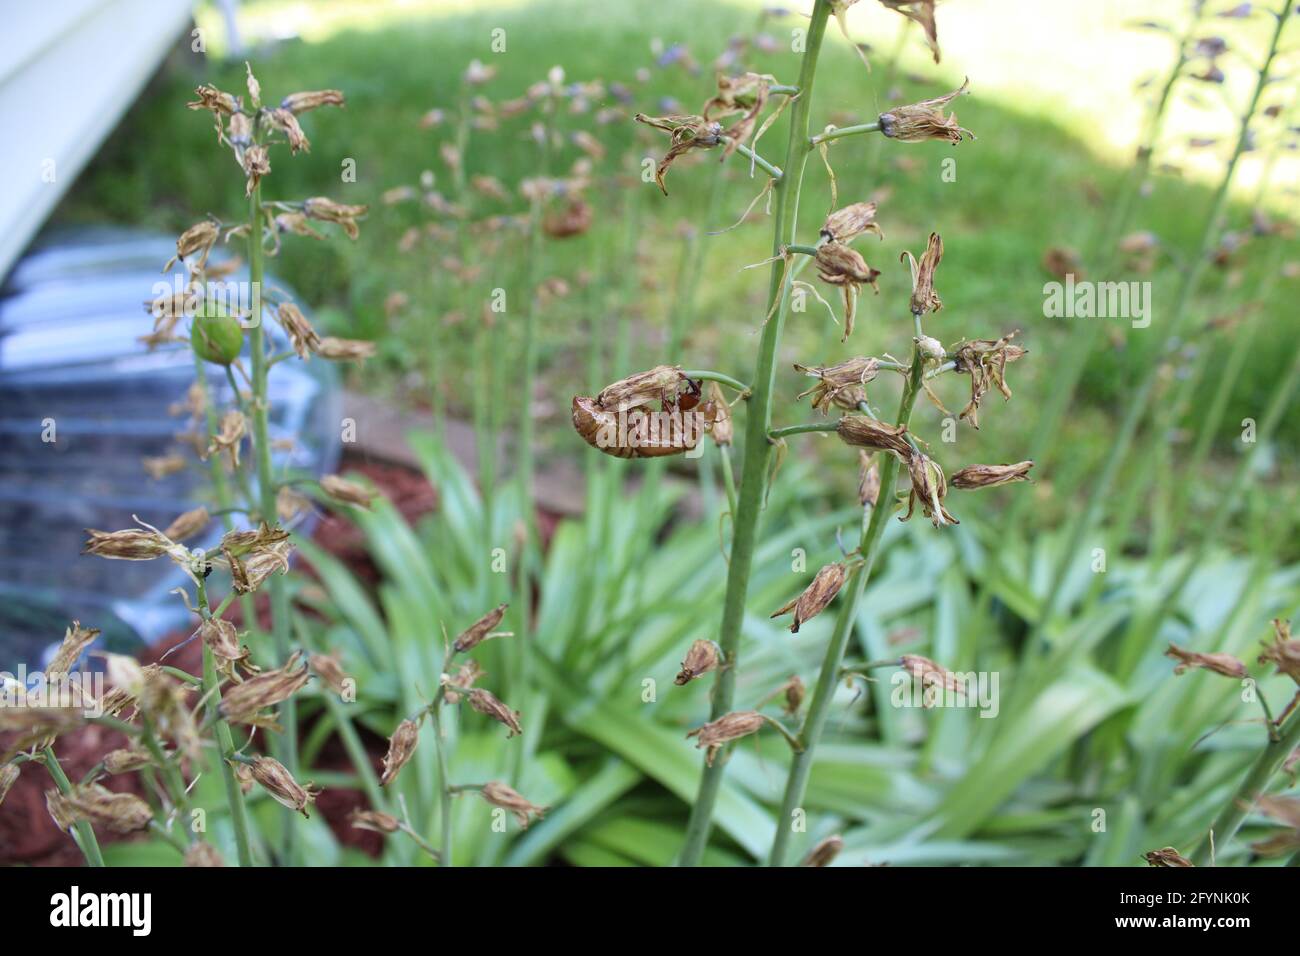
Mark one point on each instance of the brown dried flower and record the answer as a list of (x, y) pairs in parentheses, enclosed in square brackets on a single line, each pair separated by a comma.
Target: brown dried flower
[(924, 298), (187, 524), (374, 820), (573, 220), (659, 384), (700, 659), (344, 350), (349, 492), (75, 640), (279, 783), (201, 854), (929, 487), (868, 479), (99, 806), (864, 432), (130, 544), (931, 674), (465, 677), (725, 729), (8, 775), (229, 436), (299, 330), (311, 99), (843, 266), (815, 597), (824, 852), (842, 385), (1219, 663), (330, 670), (198, 238), (500, 795), (846, 224), (922, 13), (222, 637), (1284, 652), (126, 761), (985, 361), (401, 747), (686, 133), (285, 121), (327, 210), (794, 692), (985, 476), (487, 704), (257, 163), (480, 630), (724, 429), (243, 703), (1166, 857), (925, 120)]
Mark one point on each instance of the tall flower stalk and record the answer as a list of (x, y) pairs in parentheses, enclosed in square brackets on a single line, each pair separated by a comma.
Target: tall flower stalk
[(758, 448)]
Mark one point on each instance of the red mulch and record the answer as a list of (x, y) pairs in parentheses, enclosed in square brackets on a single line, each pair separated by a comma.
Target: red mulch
[(29, 836)]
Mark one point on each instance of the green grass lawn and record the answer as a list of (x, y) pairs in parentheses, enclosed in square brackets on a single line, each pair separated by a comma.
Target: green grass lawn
[(1039, 175)]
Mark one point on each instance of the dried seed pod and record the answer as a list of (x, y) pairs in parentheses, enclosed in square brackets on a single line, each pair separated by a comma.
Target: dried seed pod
[(920, 12), (1286, 810), (931, 674), (487, 704), (824, 852), (465, 677), (929, 487), (659, 384), (401, 747), (202, 854), (374, 820), (480, 630), (126, 761), (847, 223), (300, 331), (98, 806), (256, 162), (1166, 857), (573, 220), (344, 350), (700, 659), (924, 298), (1284, 652), (311, 99), (985, 361), (868, 479), (794, 694), (279, 783), (187, 524), (244, 702), (342, 214), (230, 434), (725, 729), (348, 492), (1219, 663), (330, 670), (985, 476), (925, 120), (686, 133), (8, 775), (723, 430), (285, 121), (75, 640), (198, 240), (842, 385), (500, 795), (864, 432), (815, 597), (843, 266)]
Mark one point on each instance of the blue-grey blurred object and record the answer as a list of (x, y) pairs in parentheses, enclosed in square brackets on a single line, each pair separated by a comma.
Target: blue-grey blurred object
[(72, 365)]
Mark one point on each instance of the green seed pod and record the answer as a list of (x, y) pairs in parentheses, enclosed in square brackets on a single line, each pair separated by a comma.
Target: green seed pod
[(216, 338)]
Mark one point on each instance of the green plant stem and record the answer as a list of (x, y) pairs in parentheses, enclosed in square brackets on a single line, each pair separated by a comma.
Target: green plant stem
[(445, 787), (85, 832), (757, 446), (706, 375), (828, 677), (843, 131), (778, 433), (225, 743), (287, 749), (1139, 399), (1243, 799)]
